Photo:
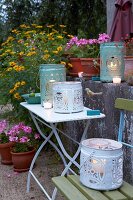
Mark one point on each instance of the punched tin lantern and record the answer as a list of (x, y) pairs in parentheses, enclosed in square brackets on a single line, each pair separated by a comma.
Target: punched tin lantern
[(101, 162), (111, 61), (50, 73), (67, 97)]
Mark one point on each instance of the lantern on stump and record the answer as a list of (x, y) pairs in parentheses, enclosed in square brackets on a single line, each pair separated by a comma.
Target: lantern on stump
[(101, 163), (67, 97), (50, 73), (111, 61)]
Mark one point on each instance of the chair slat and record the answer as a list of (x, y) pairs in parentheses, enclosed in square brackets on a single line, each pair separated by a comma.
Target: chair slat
[(125, 104)]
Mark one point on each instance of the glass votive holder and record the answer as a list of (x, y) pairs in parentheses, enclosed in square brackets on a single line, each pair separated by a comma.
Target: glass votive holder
[(117, 79), (47, 105)]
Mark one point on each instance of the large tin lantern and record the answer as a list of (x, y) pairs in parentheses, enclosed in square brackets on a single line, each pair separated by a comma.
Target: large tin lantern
[(68, 97), (50, 73), (101, 164), (111, 61)]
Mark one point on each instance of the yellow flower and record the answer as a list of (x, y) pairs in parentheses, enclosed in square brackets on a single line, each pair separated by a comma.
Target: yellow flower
[(70, 36), (17, 84), (62, 26), (31, 53), (8, 50), (69, 64), (64, 32), (33, 48), (59, 37), (59, 48), (50, 26), (9, 69), (17, 96), (34, 24), (50, 38), (21, 68), (24, 26), (16, 67), (11, 91), (4, 43), (12, 52), (10, 38), (12, 64), (26, 44), (20, 41), (63, 63), (55, 52), (21, 53), (23, 82), (46, 51), (15, 31), (39, 26), (46, 56)]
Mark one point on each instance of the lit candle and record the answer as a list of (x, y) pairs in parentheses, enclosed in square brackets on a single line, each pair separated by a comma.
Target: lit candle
[(47, 105), (116, 80), (80, 74), (98, 165)]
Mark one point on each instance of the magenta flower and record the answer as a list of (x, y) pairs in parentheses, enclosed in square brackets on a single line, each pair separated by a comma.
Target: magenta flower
[(13, 139), (103, 38), (37, 136), (86, 47), (27, 129), (3, 125), (24, 139)]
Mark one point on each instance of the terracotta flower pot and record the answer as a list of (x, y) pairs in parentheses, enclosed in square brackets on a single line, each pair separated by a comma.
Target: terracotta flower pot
[(21, 161), (85, 65), (6, 157), (128, 66)]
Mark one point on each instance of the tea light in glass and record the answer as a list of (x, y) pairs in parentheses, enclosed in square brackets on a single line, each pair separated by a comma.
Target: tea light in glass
[(116, 79), (47, 105)]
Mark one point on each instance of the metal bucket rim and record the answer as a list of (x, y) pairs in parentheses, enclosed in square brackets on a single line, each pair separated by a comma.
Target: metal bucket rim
[(67, 83), (112, 44), (117, 144), (44, 65)]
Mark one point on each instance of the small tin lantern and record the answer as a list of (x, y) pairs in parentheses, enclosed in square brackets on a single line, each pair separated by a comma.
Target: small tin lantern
[(48, 74), (68, 97), (101, 164), (111, 61)]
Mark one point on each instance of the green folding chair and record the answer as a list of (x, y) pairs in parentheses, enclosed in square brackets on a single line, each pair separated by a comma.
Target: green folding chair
[(124, 105)]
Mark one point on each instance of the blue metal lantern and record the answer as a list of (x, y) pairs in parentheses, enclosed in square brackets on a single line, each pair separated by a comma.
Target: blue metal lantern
[(111, 61), (50, 73)]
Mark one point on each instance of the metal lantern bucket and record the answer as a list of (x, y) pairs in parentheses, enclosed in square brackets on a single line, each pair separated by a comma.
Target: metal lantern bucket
[(111, 61), (101, 163), (67, 97), (50, 73)]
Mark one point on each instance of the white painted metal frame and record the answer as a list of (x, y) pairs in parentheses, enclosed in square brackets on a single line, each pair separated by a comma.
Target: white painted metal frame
[(50, 119)]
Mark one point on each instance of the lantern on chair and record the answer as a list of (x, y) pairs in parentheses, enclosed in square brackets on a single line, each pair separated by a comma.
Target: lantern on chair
[(111, 61), (101, 163)]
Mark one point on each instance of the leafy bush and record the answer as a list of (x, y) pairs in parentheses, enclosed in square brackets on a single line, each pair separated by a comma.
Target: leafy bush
[(22, 53)]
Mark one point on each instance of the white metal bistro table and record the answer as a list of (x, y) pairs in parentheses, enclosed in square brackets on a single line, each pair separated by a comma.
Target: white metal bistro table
[(50, 119)]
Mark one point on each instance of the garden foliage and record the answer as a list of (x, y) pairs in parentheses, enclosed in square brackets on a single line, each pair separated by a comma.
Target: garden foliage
[(22, 53)]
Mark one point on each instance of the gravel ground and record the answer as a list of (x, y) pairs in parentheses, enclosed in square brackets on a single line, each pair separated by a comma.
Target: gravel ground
[(13, 185)]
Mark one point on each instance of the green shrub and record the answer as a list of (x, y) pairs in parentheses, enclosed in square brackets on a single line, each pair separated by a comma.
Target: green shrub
[(22, 53)]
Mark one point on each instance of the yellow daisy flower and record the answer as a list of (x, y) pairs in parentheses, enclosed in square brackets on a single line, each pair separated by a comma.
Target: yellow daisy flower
[(17, 96), (23, 82), (59, 37), (59, 48), (62, 26)]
